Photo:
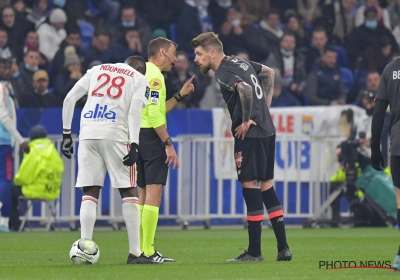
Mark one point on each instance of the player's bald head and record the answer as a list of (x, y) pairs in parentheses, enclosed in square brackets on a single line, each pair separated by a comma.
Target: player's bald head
[(208, 41), (137, 62)]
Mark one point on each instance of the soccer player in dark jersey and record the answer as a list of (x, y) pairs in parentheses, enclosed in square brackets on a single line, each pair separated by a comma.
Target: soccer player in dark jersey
[(248, 104), (388, 94)]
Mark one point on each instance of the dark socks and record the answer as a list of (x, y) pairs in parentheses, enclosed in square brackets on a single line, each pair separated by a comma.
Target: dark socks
[(255, 216), (275, 214)]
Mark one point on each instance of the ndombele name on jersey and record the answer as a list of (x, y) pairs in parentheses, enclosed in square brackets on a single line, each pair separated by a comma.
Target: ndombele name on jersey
[(115, 69), (100, 113)]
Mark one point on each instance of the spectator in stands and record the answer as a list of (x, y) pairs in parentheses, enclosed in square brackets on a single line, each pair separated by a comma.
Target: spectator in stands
[(192, 21), (15, 30), (324, 84), (31, 41), (382, 16), (338, 19), (293, 26), (21, 12), (290, 72), (99, 49), (159, 13), (177, 77), (271, 31), (319, 41), (394, 13), (16, 85), (253, 11), (233, 33), (52, 33), (109, 9), (28, 67), (376, 57), (130, 19), (39, 13), (66, 80), (5, 50), (367, 35), (307, 9), (73, 39), (371, 85), (8, 135), (217, 10), (130, 46), (40, 97), (39, 175)]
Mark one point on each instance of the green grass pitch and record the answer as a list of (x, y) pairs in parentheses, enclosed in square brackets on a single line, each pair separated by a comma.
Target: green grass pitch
[(201, 254)]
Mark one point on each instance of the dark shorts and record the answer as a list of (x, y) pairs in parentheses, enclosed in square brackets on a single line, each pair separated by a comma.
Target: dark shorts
[(394, 167), (255, 158), (151, 167)]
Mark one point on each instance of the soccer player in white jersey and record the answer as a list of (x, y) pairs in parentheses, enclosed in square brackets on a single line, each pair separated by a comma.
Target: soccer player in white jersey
[(108, 141)]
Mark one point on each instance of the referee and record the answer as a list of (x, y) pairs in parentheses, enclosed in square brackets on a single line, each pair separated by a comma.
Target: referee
[(156, 150), (388, 94)]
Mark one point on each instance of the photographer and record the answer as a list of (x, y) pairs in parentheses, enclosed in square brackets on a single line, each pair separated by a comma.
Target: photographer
[(354, 155)]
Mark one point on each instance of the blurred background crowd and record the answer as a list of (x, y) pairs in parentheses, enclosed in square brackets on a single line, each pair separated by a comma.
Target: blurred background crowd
[(324, 51)]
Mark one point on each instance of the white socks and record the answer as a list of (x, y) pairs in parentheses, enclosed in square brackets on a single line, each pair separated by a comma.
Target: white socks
[(87, 216), (131, 214)]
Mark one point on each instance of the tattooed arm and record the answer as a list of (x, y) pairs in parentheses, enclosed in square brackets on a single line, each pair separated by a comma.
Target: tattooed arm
[(246, 98), (267, 75)]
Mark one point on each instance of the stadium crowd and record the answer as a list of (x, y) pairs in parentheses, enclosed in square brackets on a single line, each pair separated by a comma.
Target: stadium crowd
[(324, 51)]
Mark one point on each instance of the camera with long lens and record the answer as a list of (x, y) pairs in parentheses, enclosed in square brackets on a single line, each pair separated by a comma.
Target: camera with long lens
[(349, 157)]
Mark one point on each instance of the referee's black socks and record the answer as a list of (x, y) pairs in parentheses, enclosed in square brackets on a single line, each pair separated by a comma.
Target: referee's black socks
[(275, 214), (255, 216)]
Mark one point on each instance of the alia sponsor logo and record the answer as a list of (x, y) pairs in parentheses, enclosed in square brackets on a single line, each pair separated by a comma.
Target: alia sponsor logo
[(100, 113)]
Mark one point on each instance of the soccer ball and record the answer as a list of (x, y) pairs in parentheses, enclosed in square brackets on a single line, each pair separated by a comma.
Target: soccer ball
[(84, 251)]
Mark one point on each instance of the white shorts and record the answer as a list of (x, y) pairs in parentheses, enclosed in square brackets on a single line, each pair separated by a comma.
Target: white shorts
[(95, 157)]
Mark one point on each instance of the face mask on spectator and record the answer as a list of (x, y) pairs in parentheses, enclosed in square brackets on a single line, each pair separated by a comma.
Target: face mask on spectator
[(286, 52), (217, 87), (225, 5), (236, 22), (31, 68), (16, 74), (59, 3), (371, 24), (128, 24)]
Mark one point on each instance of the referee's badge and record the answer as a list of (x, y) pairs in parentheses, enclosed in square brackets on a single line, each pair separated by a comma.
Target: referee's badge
[(155, 84)]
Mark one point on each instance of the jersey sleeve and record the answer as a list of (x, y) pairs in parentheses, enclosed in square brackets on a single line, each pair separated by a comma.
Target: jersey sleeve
[(227, 79), (156, 115), (257, 66), (142, 90), (382, 89)]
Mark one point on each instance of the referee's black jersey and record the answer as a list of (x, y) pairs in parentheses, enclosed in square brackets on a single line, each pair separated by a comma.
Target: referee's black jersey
[(232, 71), (389, 89)]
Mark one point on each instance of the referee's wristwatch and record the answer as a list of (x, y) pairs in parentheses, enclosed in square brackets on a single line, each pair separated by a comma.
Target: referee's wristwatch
[(168, 142)]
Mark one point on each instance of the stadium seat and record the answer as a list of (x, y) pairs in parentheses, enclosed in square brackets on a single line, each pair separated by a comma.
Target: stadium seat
[(87, 31), (342, 55), (348, 78), (305, 98), (93, 10), (51, 204), (173, 32)]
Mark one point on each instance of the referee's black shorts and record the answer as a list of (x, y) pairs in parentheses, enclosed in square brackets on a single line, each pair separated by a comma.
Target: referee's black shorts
[(151, 167), (255, 158), (394, 166)]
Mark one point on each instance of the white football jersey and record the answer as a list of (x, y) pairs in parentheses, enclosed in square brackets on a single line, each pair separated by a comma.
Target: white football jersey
[(111, 87)]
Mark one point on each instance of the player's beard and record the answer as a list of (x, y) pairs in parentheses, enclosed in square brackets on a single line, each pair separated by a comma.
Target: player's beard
[(204, 70)]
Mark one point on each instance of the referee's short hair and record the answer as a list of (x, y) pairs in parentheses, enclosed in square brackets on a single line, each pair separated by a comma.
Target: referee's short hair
[(207, 41), (159, 43)]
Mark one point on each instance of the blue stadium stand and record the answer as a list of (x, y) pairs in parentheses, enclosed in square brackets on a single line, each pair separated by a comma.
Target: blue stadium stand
[(348, 78), (342, 55), (87, 31)]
